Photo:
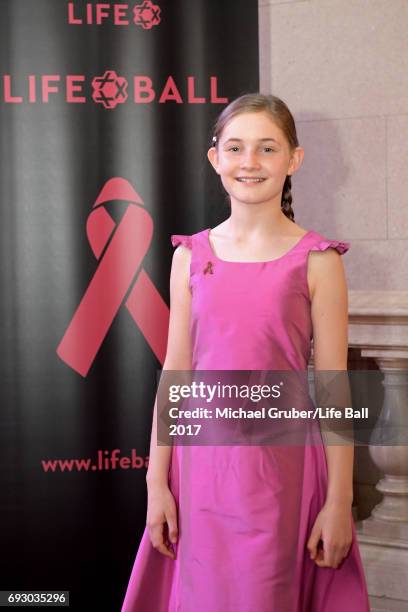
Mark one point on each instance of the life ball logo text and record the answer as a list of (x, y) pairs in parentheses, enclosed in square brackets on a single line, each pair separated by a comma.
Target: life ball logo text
[(146, 15), (109, 89)]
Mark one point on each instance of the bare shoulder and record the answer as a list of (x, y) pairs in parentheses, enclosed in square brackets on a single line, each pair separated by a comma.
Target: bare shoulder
[(180, 268), (325, 261), (181, 254), (325, 273), (323, 264)]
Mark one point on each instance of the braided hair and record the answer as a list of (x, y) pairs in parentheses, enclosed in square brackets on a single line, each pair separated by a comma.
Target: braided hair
[(286, 202), (280, 114)]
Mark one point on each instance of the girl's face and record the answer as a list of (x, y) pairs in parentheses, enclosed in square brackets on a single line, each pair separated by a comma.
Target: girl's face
[(253, 158)]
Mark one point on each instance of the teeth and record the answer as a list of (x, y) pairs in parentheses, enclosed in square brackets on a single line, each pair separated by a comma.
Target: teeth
[(250, 180)]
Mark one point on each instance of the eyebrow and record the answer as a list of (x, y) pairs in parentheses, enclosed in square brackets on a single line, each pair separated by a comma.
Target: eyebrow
[(259, 140)]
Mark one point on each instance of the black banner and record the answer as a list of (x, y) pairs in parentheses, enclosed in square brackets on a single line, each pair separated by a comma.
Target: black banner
[(106, 117)]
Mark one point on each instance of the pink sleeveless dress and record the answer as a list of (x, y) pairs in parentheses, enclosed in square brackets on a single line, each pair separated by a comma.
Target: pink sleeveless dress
[(245, 513)]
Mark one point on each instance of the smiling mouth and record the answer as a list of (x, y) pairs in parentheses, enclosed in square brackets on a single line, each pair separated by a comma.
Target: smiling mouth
[(248, 179)]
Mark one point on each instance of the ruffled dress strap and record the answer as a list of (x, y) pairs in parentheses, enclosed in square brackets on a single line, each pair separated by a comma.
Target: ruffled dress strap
[(191, 242), (185, 240), (322, 244)]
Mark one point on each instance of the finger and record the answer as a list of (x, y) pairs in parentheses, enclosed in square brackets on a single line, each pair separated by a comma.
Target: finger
[(322, 556), (339, 554), (330, 555), (172, 527), (156, 533), (312, 543), (157, 540), (346, 551), (167, 542), (320, 560), (338, 558), (164, 550)]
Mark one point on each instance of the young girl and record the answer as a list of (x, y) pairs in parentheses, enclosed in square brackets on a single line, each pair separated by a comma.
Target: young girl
[(252, 528)]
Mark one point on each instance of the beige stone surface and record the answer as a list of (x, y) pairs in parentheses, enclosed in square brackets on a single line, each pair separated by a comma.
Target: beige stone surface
[(379, 305), (340, 190), (342, 68), (377, 264), (339, 58), (265, 2), (397, 164)]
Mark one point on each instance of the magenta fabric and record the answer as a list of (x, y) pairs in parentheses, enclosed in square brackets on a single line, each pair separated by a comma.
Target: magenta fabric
[(245, 513)]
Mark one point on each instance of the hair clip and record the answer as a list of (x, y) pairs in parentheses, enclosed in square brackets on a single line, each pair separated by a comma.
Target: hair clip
[(214, 139)]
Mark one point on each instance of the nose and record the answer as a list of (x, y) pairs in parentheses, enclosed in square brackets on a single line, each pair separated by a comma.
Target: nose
[(249, 159)]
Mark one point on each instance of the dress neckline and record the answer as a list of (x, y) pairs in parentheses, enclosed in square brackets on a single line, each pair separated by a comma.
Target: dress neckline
[(293, 248)]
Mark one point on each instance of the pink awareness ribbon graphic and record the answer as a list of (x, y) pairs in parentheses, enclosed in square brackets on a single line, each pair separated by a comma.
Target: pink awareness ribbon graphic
[(120, 265)]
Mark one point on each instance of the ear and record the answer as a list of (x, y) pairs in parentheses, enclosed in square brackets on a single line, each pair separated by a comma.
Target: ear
[(296, 160), (213, 158)]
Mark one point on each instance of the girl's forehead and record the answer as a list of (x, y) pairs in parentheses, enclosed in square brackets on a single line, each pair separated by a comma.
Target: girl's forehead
[(251, 125)]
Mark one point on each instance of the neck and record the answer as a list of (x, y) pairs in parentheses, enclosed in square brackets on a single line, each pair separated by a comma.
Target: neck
[(256, 219)]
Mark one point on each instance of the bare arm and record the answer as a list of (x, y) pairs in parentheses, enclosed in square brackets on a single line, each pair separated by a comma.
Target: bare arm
[(330, 342), (161, 519), (328, 293), (178, 355)]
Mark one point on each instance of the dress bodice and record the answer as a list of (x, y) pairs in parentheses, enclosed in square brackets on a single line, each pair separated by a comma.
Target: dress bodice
[(251, 315)]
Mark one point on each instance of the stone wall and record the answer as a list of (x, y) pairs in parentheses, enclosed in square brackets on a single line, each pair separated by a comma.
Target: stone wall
[(342, 68)]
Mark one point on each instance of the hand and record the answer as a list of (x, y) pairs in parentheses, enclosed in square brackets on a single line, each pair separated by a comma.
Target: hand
[(333, 526), (161, 519)]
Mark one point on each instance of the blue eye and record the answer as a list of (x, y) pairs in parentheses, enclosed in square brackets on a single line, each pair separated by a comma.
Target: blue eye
[(268, 149)]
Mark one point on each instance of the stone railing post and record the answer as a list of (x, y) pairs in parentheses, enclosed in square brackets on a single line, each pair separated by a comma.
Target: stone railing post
[(378, 326)]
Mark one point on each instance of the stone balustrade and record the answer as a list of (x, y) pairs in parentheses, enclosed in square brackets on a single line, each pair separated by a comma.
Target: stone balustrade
[(378, 328)]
